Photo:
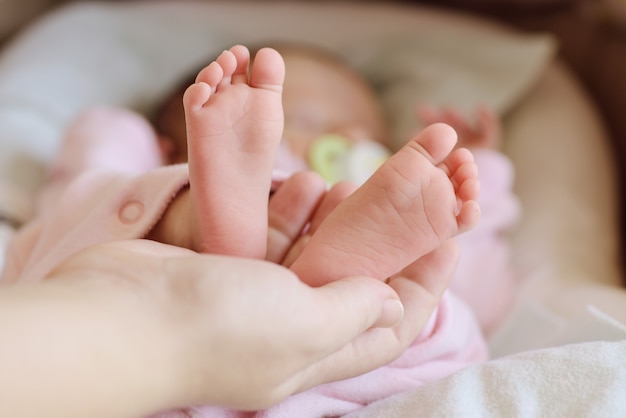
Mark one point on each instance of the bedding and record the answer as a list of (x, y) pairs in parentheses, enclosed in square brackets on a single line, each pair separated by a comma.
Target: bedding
[(152, 46), (570, 311)]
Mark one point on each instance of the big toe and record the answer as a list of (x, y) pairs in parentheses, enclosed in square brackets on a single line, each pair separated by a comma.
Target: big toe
[(268, 69), (435, 142)]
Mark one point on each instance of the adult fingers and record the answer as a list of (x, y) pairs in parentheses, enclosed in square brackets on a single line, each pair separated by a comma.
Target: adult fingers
[(264, 314), (420, 287), (337, 194), (328, 203), (289, 210)]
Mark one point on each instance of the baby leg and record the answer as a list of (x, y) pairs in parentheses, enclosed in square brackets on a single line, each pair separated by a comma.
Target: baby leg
[(421, 197), (234, 125)]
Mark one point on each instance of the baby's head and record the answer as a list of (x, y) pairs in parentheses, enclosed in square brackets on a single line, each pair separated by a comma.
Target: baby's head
[(322, 95)]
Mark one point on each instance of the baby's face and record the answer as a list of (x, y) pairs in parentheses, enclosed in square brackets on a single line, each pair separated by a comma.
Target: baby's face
[(322, 96)]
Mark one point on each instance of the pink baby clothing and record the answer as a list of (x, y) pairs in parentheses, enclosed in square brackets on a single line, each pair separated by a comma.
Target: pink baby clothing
[(484, 278), (94, 192), (96, 197), (96, 207)]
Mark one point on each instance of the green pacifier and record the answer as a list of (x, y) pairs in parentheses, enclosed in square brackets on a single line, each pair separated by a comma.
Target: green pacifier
[(336, 158), (327, 157)]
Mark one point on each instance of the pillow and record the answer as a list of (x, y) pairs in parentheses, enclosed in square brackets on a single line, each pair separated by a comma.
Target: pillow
[(131, 54), (443, 68)]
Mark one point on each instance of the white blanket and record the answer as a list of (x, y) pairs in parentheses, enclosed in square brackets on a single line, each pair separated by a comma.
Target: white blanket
[(584, 380)]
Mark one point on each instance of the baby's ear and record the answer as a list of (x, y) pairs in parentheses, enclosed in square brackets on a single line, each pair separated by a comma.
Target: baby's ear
[(167, 147), (172, 151)]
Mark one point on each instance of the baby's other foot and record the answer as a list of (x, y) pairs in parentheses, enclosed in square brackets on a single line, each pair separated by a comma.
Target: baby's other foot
[(234, 120), (422, 196)]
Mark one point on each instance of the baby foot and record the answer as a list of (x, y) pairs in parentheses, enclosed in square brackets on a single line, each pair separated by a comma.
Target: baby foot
[(234, 123), (422, 196)]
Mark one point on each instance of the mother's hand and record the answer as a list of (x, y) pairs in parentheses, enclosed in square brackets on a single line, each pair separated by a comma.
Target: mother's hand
[(177, 328)]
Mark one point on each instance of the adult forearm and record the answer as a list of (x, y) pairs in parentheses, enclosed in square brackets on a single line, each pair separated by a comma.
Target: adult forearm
[(69, 353)]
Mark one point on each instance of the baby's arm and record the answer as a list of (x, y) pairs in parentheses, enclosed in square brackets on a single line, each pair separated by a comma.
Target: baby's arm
[(483, 130), (96, 207)]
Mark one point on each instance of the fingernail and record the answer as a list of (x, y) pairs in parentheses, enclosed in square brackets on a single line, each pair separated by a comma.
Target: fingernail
[(391, 314)]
